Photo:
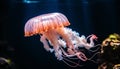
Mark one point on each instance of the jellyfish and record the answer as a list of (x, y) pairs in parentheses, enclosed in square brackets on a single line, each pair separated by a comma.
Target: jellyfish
[(57, 37)]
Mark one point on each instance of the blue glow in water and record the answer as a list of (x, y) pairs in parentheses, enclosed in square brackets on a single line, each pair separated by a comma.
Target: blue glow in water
[(28, 1)]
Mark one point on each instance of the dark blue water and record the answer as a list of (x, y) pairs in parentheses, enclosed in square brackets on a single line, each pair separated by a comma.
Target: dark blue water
[(100, 17)]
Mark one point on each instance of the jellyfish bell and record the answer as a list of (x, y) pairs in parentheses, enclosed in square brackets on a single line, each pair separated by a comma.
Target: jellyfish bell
[(45, 22)]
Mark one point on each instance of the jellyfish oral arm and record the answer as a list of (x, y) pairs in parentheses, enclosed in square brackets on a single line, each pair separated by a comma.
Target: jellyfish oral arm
[(45, 43), (62, 43), (52, 37), (66, 37)]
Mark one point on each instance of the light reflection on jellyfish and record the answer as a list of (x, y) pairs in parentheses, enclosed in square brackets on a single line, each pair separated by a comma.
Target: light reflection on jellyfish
[(52, 30)]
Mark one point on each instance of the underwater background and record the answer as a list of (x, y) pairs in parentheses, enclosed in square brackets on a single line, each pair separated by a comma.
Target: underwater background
[(99, 17)]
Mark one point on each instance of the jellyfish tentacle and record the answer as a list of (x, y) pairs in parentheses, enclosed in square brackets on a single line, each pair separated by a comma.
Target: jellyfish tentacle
[(81, 56)]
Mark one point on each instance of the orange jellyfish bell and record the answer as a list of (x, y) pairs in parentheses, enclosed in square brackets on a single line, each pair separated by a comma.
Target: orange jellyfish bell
[(45, 22)]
